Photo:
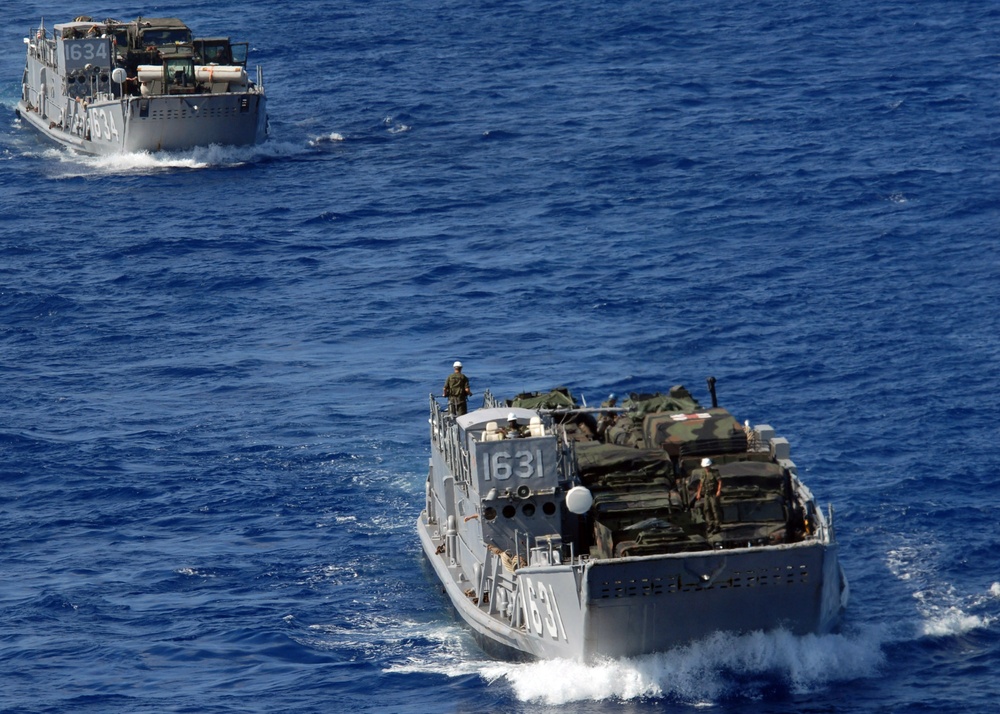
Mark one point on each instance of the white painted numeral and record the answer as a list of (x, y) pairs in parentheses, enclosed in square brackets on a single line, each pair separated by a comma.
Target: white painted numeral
[(526, 464), (553, 624)]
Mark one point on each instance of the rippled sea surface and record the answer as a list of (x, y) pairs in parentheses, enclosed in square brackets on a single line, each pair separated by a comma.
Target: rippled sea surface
[(214, 366)]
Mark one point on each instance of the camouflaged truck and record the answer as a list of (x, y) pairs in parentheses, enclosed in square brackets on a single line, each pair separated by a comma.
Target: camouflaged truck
[(565, 531)]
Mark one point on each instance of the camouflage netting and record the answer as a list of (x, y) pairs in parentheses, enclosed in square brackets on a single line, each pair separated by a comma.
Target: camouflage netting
[(678, 399), (691, 434), (743, 479), (754, 478), (642, 465), (636, 509), (610, 465), (558, 398), (624, 432), (578, 426), (628, 428)]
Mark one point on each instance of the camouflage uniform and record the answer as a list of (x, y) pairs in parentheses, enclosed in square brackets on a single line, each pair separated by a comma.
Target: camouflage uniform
[(456, 388), (513, 430), (710, 483)]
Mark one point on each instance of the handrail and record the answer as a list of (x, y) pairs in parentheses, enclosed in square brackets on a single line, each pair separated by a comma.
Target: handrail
[(444, 431)]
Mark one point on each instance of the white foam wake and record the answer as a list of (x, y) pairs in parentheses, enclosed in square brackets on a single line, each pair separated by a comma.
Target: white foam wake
[(73, 165), (703, 672)]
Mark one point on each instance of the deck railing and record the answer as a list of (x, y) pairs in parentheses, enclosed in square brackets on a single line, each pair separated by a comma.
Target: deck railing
[(445, 435)]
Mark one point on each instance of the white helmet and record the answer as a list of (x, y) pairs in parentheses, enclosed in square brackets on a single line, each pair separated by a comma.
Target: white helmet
[(706, 462), (457, 364), (512, 417)]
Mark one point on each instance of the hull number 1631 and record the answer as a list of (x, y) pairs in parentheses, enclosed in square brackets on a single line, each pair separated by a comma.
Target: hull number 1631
[(502, 465)]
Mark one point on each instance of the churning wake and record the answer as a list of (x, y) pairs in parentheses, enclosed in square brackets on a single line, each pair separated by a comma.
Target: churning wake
[(719, 667)]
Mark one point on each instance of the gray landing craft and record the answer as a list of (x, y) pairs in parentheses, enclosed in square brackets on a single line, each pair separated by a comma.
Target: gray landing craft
[(581, 536), (107, 87)]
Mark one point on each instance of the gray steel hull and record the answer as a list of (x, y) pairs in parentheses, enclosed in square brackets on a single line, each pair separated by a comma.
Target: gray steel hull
[(162, 123), (633, 606)]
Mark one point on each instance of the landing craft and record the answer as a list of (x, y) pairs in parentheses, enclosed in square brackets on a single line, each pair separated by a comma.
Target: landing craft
[(561, 531), (107, 87)]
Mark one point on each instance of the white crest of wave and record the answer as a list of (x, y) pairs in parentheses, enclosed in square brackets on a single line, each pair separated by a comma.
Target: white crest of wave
[(905, 562), (953, 621), (326, 139), (944, 611), (452, 654), (193, 572), (703, 671), (395, 127)]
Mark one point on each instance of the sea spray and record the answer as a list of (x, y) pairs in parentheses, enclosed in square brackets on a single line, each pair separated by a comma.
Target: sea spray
[(721, 666)]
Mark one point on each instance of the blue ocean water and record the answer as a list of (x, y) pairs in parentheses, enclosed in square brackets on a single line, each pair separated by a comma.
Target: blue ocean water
[(215, 365)]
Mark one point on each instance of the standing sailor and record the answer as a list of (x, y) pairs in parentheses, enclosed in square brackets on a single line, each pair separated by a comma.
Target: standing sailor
[(709, 489), (456, 388)]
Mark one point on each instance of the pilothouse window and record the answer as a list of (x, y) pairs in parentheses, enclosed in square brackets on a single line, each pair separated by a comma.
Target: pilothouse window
[(166, 37), (239, 52), (213, 52), (180, 72)]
